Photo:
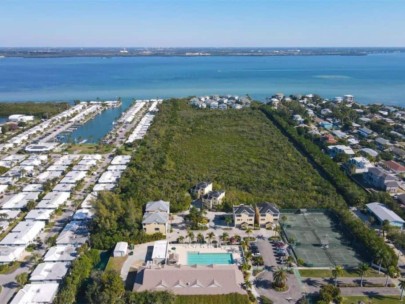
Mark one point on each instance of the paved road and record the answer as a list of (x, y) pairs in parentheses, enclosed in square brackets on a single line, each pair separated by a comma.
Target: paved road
[(264, 280), (313, 284)]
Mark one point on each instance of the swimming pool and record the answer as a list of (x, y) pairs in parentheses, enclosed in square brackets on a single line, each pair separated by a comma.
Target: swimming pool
[(196, 258)]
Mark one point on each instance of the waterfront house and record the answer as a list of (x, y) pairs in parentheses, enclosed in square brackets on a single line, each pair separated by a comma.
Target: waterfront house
[(201, 189), (212, 199), (267, 214), (243, 216)]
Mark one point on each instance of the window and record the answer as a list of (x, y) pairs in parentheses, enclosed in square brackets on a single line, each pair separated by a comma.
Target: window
[(157, 229)]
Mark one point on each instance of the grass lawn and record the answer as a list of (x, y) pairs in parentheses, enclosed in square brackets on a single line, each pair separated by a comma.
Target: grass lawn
[(115, 263), (9, 268), (326, 273), (372, 300), (89, 148), (233, 298)]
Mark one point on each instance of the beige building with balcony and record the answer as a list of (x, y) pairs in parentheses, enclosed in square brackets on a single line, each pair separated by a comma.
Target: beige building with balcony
[(267, 214), (243, 216)]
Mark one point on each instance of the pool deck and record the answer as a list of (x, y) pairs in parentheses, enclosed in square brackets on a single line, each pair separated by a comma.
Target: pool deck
[(182, 249)]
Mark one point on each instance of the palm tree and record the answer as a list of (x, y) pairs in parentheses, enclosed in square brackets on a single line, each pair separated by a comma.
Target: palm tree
[(280, 277), (277, 230), (180, 239), (385, 227), (402, 286), (337, 272), (224, 237), (380, 257), (390, 274), (249, 231), (228, 221), (190, 236), (362, 269), (248, 284), (200, 238), (210, 236)]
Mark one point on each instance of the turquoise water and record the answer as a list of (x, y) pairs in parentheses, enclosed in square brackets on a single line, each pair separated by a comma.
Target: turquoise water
[(373, 78), (95, 129), (195, 258)]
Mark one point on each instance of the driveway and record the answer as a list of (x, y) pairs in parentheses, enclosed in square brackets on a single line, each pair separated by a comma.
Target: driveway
[(265, 279)]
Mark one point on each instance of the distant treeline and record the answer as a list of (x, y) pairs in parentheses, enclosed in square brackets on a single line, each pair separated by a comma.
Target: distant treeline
[(38, 109)]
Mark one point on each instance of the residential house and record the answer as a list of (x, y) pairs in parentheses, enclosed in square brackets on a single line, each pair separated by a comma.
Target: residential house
[(201, 189), (243, 216), (365, 132), (156, 217), (339, 149), (359, 164), (43, 293), (382, 213), (369, 152), (382, 143), (381, 179), (157, 222), (212, 199), (394, 167), (267, 214), (329, 139)]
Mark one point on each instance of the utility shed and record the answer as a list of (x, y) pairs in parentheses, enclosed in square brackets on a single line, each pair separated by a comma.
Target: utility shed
[(121, 249), (159, 252), (382, 213)]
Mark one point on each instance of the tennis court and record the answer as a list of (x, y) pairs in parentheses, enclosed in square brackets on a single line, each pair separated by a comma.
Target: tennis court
[(318, 242)]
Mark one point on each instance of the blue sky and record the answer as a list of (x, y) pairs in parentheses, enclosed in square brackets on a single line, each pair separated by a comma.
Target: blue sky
[(219, 23)]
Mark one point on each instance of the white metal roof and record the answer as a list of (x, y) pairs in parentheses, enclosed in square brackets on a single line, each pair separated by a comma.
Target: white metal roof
[(49, 271), (61, 253), (121, 246), (383, 213), (159, 250), (36, 293), (39, 214), (10, 253), (24, 233)]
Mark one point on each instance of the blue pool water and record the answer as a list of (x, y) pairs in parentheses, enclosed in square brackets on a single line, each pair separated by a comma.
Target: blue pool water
[(195, 258)]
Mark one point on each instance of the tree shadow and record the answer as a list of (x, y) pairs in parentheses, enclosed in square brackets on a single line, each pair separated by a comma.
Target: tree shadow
[(263, 283), (312, 282), (130, 281)]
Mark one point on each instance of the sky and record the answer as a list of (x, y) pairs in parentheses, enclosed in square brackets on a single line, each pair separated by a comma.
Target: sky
[(202, 23)]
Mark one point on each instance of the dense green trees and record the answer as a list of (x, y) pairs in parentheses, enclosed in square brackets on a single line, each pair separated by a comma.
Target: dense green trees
[(105, 287), (74, 282), (324, 164), (117, 220), (240, 150), (38, 109)]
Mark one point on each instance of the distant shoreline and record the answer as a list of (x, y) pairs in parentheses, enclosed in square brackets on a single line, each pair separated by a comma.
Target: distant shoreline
[(189, 52)]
